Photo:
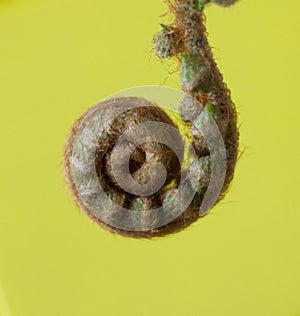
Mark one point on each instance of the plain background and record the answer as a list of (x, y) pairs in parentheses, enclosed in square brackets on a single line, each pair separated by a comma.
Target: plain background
[(59, 57)]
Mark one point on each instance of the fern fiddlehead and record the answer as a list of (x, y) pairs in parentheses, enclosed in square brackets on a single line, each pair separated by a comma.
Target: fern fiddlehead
[(124, 158)]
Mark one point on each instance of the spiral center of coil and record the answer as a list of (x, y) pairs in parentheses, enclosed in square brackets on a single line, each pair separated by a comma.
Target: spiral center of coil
[(138, 156), (137, 159)]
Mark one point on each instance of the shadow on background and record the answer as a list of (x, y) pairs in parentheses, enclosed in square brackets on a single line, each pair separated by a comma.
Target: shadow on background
[(7, 2)]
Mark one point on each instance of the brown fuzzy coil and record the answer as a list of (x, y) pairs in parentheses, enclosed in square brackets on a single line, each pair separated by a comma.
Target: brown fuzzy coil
[(205, 90)]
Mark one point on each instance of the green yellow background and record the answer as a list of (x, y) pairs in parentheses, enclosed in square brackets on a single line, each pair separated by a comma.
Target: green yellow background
[(58, 58)]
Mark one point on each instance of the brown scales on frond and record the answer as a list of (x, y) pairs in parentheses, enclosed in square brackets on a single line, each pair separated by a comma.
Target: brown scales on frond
[(186, 40)]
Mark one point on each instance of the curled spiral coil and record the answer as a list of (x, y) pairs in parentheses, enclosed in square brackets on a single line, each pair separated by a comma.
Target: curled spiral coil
[(126, 163)]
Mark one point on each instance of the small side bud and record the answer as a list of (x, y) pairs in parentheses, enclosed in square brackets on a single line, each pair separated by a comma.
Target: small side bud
[(165, 42), (224, 3)]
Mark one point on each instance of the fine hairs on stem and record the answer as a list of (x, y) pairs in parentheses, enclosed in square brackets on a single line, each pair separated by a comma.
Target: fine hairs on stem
[(204, 89)]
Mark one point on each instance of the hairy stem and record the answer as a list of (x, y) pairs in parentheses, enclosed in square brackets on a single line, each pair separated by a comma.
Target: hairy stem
[(199, 74)]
